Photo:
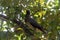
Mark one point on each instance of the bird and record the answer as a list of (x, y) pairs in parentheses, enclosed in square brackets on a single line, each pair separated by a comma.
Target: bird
[(33, 22)]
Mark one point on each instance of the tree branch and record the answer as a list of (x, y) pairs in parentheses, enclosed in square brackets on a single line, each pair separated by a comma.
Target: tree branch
[(19, 23)]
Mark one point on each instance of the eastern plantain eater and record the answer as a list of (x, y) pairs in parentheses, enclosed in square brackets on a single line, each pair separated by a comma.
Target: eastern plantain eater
[(33, 22)]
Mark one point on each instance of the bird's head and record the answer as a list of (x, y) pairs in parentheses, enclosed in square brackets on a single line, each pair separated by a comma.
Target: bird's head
[(27, 12), (27, 16)]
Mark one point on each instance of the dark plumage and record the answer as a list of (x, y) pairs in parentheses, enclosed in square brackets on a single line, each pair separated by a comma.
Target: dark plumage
[(33, 22)]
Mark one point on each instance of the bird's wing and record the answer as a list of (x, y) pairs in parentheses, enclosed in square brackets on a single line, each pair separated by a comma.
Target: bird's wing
[(35, 24)]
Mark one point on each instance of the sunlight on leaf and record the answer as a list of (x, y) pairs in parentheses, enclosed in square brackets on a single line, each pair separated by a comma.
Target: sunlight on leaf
[(42, 13), (37, 0), (58, 27), (42, 1), (19, 29), (36, 15)]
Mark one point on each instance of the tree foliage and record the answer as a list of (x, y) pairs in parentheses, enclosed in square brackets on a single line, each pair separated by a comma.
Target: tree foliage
[(45, 12)]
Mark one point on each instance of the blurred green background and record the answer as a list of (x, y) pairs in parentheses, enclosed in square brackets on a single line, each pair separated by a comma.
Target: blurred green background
[(45, 12)]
